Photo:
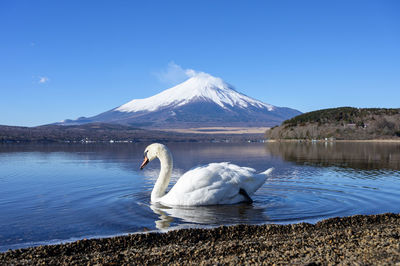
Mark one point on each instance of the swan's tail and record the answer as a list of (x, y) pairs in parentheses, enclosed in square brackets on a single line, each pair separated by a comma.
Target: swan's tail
[(267, 172)]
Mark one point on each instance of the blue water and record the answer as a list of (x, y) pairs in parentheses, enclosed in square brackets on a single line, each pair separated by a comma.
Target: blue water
[(58, 193)]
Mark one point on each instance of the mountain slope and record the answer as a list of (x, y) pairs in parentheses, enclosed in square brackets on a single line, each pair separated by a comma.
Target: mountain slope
[(202, 100)]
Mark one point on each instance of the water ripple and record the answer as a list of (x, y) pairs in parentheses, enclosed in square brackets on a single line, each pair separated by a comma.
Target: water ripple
[(53, 196)]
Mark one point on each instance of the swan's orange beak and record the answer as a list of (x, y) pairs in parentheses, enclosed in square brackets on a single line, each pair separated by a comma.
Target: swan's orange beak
[(145, 161)]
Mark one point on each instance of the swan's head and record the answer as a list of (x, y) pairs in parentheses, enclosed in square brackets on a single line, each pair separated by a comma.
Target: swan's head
[(151, 152)]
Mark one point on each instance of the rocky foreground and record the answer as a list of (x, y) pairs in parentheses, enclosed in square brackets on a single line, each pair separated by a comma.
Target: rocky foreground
[(358, 239)]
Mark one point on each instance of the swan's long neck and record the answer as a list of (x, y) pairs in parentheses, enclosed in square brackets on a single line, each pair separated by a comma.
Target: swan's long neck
[(163, 179)]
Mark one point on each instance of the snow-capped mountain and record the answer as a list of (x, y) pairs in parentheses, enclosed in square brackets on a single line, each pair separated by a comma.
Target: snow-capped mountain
[(200, 87), (202, 100)]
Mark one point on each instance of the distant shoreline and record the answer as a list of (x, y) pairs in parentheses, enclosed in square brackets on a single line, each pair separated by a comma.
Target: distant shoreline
[(333, 141), (218, 130), (112, 133), (359, 239)]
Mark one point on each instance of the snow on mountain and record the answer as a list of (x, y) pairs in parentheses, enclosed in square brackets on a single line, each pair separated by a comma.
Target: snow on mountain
[(200, 101), (202, 86)]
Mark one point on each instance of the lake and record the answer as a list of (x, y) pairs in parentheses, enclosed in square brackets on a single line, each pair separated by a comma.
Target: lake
[(57, 193)]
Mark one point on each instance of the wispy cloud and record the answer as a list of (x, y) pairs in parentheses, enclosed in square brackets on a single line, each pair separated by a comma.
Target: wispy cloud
[(174, 74), (43, 80)]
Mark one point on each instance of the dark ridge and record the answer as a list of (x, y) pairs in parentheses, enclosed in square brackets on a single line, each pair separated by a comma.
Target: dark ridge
[(345, 114)]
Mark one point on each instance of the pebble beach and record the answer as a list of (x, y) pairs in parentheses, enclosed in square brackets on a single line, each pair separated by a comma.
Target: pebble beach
[(360, 239)]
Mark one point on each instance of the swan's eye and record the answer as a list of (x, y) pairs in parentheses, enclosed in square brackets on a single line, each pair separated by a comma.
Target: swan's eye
[(145, 154)]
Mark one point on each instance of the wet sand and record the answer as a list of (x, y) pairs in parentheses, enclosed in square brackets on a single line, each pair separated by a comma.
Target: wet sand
[(359, 239)]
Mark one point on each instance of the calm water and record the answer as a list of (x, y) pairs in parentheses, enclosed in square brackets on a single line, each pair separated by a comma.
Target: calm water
[(59, 193)]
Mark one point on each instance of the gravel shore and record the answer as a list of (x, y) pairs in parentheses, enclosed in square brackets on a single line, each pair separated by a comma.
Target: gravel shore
[(359, 239)]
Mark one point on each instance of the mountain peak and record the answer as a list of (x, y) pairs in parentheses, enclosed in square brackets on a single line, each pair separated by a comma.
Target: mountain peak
[(201, 86), (203, 80)]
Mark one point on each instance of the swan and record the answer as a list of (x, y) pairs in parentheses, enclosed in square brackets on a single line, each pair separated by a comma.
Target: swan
[(212, 184)]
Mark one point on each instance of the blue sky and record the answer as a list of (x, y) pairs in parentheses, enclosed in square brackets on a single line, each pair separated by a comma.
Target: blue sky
[(65, 59)]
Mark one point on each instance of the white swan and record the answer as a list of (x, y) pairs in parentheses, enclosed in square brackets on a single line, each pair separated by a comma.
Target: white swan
[(215, 183)]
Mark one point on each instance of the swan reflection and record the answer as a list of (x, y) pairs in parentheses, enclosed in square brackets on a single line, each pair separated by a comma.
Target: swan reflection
[(208, 215)]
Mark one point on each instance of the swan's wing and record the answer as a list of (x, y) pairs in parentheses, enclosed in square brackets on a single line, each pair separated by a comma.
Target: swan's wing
[(216, 183)]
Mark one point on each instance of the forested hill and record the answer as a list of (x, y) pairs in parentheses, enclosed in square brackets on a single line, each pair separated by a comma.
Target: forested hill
[(341, 123)]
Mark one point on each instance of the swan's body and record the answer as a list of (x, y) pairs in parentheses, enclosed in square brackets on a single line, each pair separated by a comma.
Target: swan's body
[(215, 183)]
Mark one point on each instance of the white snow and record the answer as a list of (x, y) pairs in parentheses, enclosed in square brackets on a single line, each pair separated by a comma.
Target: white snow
[(201, 86)]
